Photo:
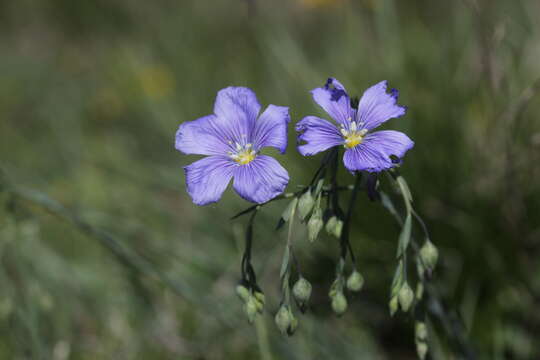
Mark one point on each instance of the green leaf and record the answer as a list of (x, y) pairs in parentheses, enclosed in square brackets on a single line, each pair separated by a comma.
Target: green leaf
[(405, 236)]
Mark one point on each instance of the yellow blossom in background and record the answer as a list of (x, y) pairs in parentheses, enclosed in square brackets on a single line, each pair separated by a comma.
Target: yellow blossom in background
[(156, 81), (320, 3)]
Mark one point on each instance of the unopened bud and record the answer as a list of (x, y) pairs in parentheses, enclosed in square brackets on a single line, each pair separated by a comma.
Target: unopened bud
[(259, 296), (339, 303), (334, 226), (315, 224), (421, 349), (305, 204), (242, 292), (405, 297), (355, 281), (283, 319), (429, 255), (293, 326), (302, 290), (420, 331), (250, 307), (393, 305)]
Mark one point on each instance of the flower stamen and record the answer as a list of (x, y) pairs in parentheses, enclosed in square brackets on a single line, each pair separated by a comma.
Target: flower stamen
[(352, 136), (243, 154)]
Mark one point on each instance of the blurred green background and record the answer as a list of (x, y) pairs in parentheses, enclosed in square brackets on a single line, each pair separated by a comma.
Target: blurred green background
[(91, 95)]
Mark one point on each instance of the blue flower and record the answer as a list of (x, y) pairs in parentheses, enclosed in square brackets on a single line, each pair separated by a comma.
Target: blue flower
[(365, 150), (232, 138)]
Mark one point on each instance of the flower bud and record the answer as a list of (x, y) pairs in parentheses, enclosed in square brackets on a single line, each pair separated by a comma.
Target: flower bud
[(305, 204), (250, 307), (405, 297), (429, 255), (421, 349), (315, 224), (355, 281), (334, 226), (393, 305), (259, 296), (420, 331), (242, 292), (283, 319), (339, 303), (293, 326), (302, 290)]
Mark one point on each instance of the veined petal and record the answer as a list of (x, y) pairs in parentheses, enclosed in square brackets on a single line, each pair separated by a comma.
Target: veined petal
[(200, 137), (318, 134), (333, 98), (377, 106), (271, 128), (261, 180), (237, 109), (373, 154), (207, 178)]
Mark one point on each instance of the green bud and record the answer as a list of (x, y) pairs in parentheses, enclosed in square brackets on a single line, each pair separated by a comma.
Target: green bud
[(405, 297), (242, 292), (420, 331), (283, 319), (315, 224), (294, 325), (393, 305), (250, 307), (302, 290), (429, 255), (259, 296), (355, 281), (305, 204), (334, 226), (421, 349), (339, 303)]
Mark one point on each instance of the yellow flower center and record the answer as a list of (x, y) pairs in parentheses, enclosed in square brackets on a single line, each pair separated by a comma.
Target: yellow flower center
[(352, 140), (352, 136), (243, 154)]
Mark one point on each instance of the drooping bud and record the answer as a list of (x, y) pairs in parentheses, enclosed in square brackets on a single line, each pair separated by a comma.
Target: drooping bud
[(302, 290), (242, 292), (405, 297), (421, 349), (420, 331), (250, 307), (339, 303), (429, 255), (334, 226), (294, 325), (305, 204), (393, 305), (355, 281), (259, 296), (283, 319), (315, 224)]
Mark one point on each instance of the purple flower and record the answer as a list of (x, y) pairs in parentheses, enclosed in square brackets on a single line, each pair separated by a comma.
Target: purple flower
[(232, 138), (365, 150)]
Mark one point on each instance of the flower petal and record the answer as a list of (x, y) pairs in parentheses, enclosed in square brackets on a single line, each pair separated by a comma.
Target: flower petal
[(333, 98), (271, 128), (377, 106), (318, 134), (237, 109), (207, 178), (373, 154), (200, 137), (261, 180)]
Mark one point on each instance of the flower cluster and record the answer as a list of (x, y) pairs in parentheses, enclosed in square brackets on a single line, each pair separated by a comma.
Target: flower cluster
[(233, 137)]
